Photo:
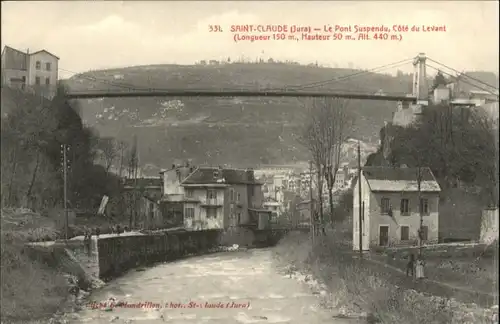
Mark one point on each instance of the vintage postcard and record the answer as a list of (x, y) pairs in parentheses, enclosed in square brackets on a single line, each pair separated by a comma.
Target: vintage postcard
[(249, 162)]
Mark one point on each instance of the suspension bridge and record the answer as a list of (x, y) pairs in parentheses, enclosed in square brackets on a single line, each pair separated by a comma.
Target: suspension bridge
[(419, 94)]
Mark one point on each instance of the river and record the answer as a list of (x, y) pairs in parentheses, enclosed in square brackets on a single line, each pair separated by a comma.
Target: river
[(233, 287)]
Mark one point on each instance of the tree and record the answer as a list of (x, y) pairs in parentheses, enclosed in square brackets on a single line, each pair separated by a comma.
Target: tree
[(458, 145), (108, 149), (133, 165), (439, 79), (32, 134), (325, 131), (121, 147), (339, 128)]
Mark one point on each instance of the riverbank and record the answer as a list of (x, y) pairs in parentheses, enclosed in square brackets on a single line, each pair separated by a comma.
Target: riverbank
[(37, 281), (358, 288)]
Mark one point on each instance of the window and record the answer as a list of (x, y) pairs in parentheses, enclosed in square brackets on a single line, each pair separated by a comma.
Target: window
[(211, 213), (231, 194), (24, 80), (37, 80), (385, 206), (424, 206), (189, 193), (47, 81), (238, 220), (189, 212), (151, 211), (38, 65), (405, 233), (47, 66), (238, 196), (405, 207), (211, 194), (216, 174)]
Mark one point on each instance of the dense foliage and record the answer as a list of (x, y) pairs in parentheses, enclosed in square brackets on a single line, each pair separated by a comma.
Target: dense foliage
[(32, 133), (459, 145)]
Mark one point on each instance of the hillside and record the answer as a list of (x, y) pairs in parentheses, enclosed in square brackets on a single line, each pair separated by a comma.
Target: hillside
[(239, 131)]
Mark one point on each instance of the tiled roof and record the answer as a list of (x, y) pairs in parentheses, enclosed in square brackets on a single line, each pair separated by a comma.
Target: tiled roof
[(400, 179), (205, 175)]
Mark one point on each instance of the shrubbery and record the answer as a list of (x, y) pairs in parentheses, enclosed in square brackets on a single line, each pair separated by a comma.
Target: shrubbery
[(30, 288), (360, 288)]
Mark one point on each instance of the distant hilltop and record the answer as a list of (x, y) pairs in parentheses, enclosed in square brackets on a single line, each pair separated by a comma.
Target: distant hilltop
[(235, 131)]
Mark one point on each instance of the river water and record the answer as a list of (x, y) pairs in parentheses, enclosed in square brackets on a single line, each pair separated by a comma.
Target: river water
[(233, 287)]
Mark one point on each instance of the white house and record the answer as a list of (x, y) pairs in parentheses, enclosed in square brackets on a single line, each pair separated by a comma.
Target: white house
[(390, 208), (37, 71)]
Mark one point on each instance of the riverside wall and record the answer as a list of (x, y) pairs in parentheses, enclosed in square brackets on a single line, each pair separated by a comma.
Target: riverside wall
[(121, 253), (109, 256)]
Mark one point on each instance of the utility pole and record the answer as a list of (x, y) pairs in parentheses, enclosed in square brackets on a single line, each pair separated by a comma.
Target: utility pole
[(64, 148), (311, 204), (420, 230), (359, 207)]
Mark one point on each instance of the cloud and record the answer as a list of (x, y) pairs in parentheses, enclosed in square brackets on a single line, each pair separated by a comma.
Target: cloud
[(112, 22), (109, 34)]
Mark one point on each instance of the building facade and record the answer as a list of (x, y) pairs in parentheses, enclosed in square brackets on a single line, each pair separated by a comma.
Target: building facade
[(390, 208), (142, 202), (35, 72), (213, 198)]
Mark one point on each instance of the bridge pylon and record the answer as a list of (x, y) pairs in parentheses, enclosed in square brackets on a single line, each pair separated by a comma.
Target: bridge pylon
[(420, 86)]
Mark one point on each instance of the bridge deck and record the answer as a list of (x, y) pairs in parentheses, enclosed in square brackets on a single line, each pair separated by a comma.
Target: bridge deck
[(230, 93)]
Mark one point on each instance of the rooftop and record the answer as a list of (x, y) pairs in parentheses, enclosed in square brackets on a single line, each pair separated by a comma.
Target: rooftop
[(8, 48), (400, 179), (213, 175)]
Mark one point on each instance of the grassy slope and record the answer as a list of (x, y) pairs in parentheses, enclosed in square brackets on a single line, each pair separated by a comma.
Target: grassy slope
[(361, 286), (33, 284), (30, 288), (232, 131)]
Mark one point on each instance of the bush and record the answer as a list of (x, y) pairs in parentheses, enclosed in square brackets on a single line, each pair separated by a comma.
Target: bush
[(29, 288), (361, 287)]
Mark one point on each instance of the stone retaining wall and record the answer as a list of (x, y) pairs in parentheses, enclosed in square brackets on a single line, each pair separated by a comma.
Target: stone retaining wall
[(121, 253)]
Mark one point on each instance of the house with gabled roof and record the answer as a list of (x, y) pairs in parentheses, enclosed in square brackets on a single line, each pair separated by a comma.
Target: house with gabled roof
[(36, 72), (390, 206), (214, 198)]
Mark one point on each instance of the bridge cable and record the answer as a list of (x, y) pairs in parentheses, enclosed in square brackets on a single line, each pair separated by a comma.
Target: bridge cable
[(94, 79), (318, 83), (471, 84), (345, 77), (127, 86), (463, 74)]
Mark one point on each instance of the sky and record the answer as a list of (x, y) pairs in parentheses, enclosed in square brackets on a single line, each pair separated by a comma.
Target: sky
[(107, 34)]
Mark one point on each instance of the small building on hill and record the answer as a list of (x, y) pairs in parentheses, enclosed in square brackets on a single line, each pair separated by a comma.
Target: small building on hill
[(390, 207), (36, 71)]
